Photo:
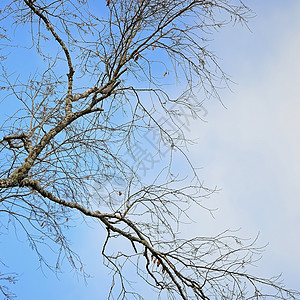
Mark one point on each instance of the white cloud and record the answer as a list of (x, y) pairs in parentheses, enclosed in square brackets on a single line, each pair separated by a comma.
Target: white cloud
[(251, 150)]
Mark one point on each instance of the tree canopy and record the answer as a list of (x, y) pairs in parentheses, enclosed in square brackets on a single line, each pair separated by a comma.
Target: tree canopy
[(85, 83)]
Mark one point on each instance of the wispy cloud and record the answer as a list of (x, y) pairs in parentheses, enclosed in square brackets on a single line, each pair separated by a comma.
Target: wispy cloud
[(251, 150)]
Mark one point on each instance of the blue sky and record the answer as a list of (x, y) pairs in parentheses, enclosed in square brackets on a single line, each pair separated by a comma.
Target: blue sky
[(250, 150)]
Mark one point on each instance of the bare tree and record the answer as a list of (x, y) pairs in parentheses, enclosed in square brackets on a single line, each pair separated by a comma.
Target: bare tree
[(96, 78)]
